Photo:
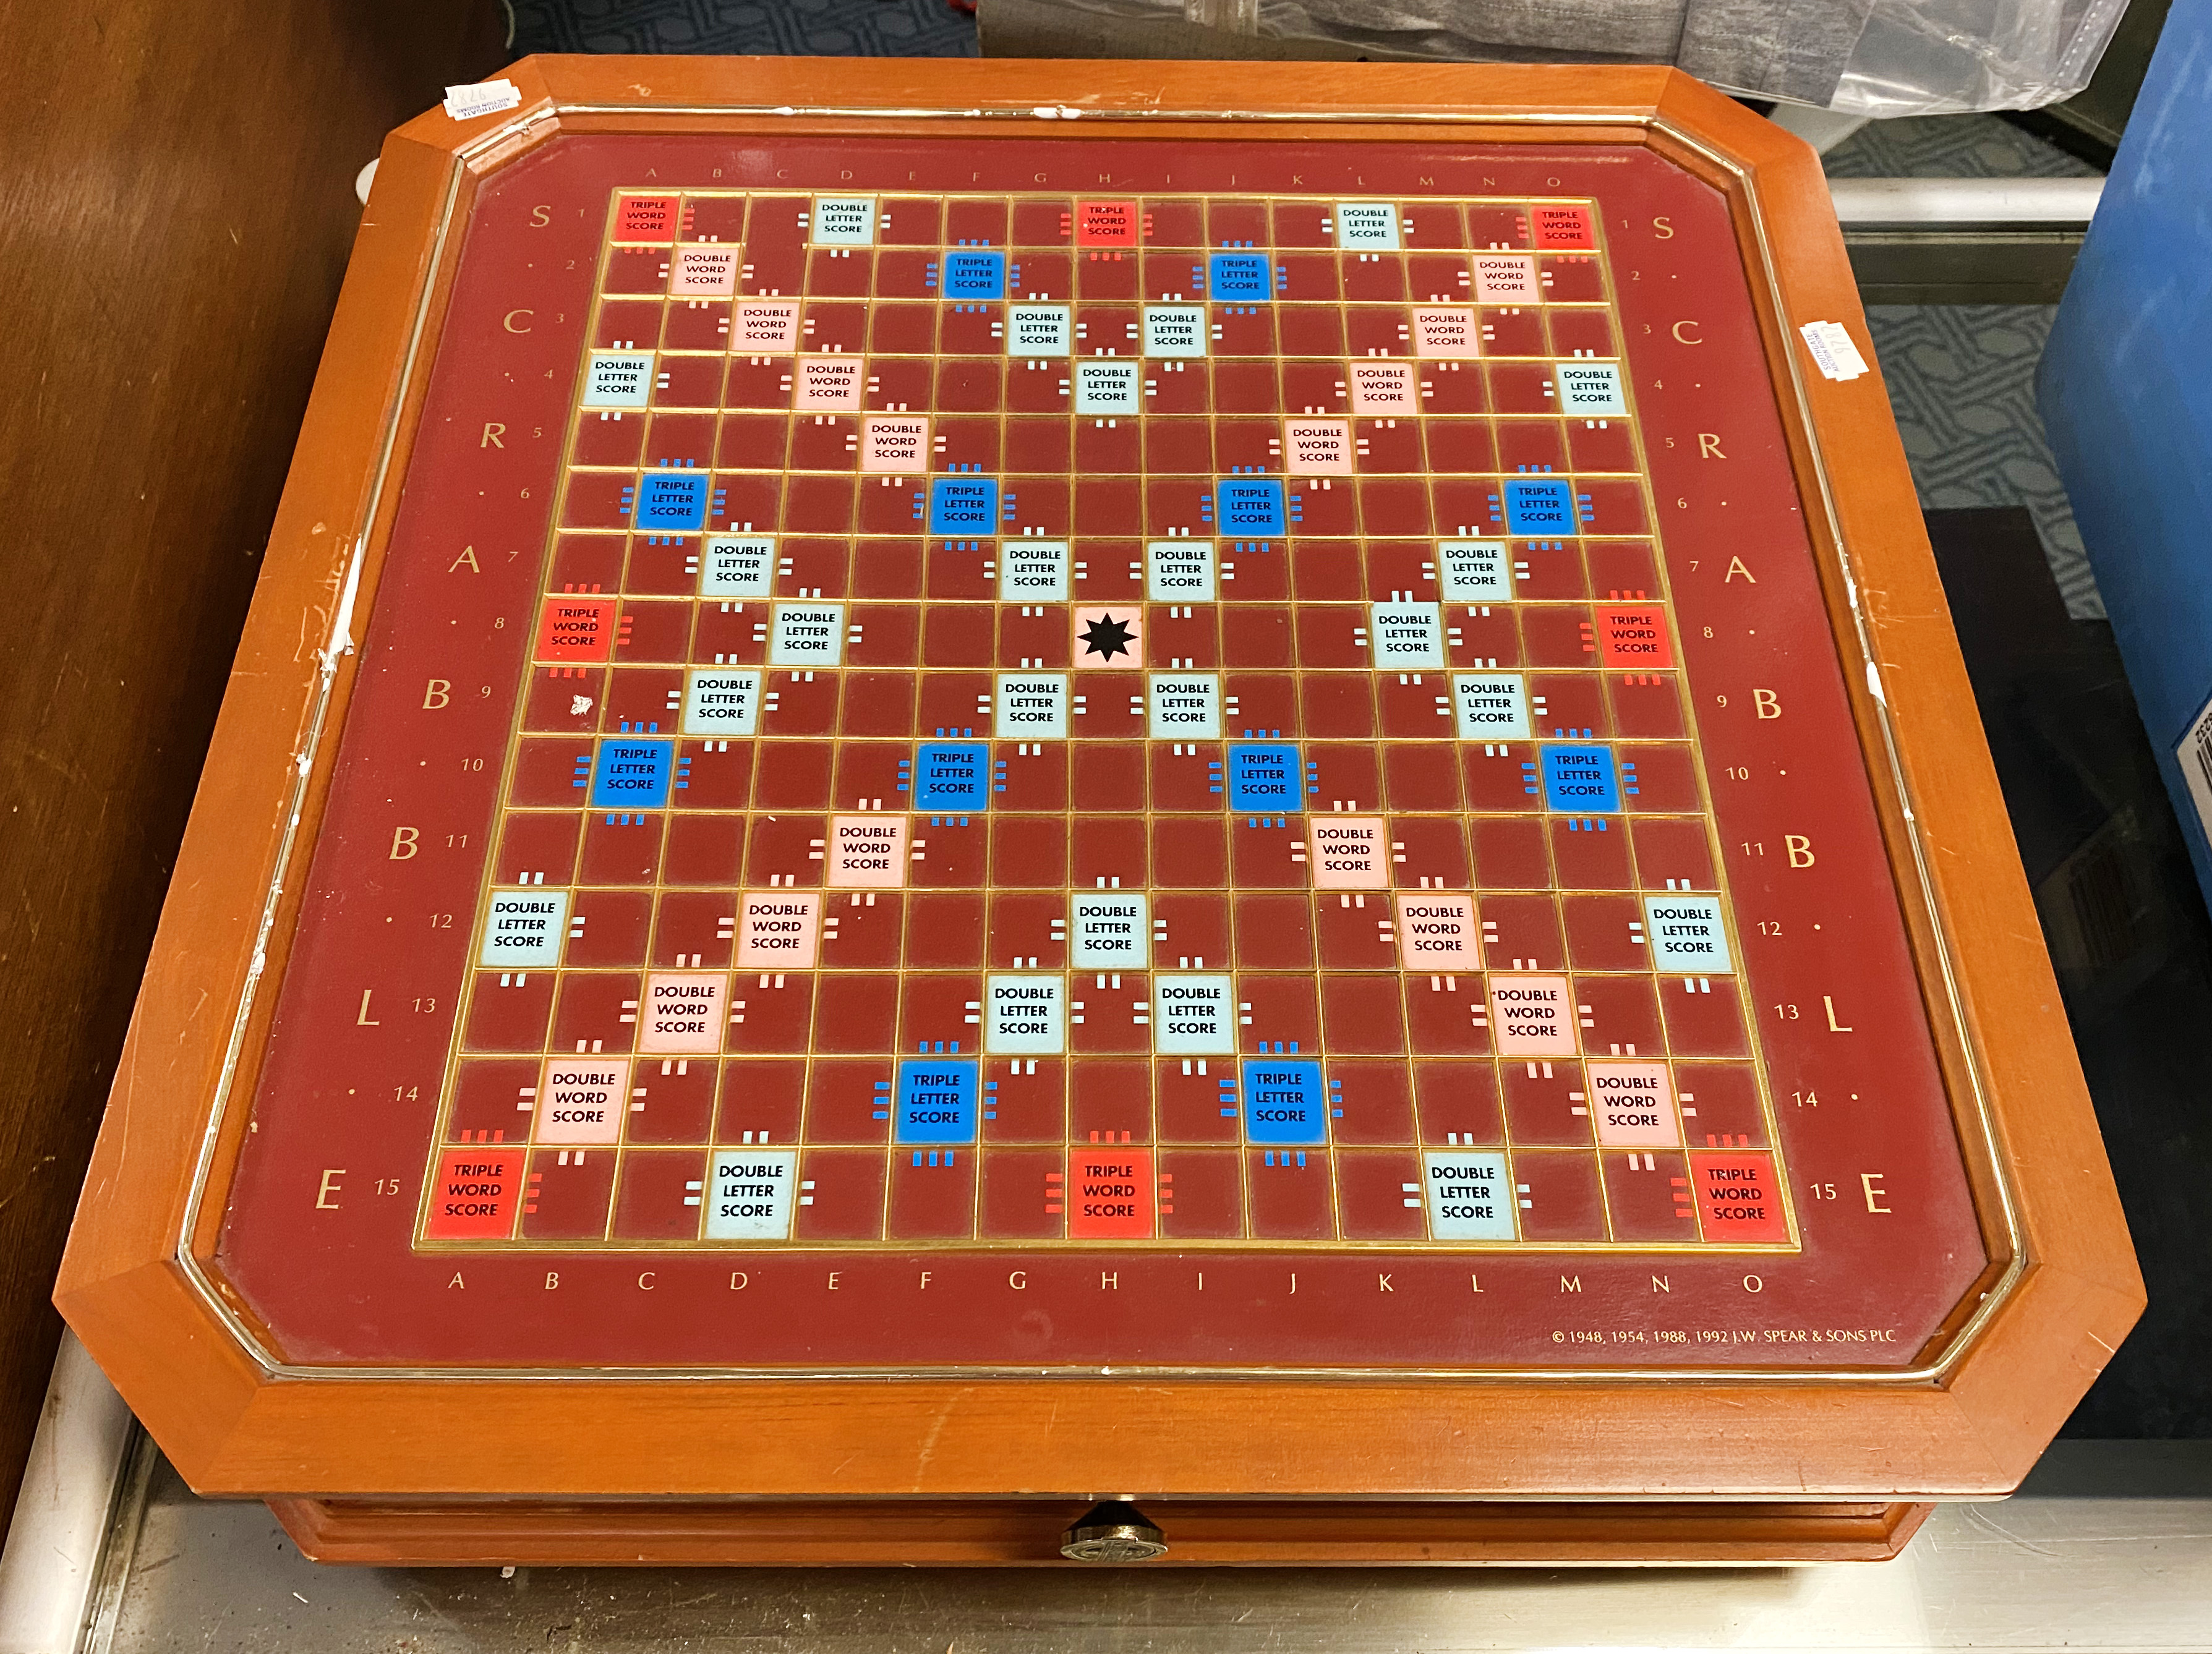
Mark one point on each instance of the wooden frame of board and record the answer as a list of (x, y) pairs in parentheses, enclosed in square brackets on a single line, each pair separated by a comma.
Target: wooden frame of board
[(988, 1470)]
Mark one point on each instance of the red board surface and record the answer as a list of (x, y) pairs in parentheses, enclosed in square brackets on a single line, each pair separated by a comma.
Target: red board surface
[(950, 770)]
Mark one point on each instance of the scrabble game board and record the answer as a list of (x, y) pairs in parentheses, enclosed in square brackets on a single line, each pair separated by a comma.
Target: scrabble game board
[(1229, 721), (942, 801)]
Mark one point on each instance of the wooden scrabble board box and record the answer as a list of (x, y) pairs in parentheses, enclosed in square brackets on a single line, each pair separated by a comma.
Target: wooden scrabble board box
[(959, 788)]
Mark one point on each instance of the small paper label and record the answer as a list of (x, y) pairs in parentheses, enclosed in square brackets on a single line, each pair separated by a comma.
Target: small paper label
[(489, 98), (2193, 755), (1833, 350)]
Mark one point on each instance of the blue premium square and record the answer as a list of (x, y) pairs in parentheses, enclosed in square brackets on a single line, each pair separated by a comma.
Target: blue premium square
[(974, 275), (1239, 278), (1284, 1101), (672, 501), (1250, 505), (952, 775), (936, 1101), (632, 774), (1581, 779), (963, 505), (1544, 506), (1265, 780)]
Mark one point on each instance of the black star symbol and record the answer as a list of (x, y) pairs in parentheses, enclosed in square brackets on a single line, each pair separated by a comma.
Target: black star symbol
[(1107, 637)]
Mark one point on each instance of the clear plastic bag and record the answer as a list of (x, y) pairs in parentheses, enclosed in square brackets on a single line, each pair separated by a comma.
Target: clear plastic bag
[(1878, 57)]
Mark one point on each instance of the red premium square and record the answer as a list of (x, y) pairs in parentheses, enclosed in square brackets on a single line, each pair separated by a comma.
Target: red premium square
[(1737, 1197), (1634, 636), (1105, 223), (1561, 228), (1110, 1194), (572, 630), (649, 218), (474, 1194)]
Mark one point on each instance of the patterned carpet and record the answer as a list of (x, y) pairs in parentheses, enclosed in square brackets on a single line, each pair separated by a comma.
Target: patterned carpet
[(783, 28), (1962, 377), (1949, 146), (1962, 383)]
